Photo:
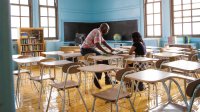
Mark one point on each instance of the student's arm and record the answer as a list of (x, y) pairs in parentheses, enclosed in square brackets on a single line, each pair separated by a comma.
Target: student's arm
[(105, 43), (131, 50), (100, 48)]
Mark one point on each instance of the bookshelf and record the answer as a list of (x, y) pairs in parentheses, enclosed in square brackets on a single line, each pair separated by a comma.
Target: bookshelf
[(31, 41)]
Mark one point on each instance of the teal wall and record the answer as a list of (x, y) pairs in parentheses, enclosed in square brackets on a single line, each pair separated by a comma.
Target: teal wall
[(105, 10)]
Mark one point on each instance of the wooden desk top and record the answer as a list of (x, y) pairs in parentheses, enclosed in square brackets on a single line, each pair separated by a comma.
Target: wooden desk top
[(153, 76), (152, 47), (183, 65), (176, 48), (174, 51), (29, 60), (69, 55), (99, 58), (15, 56), (98, 68), (53, 52), (167, 54), (56, 63), (141, 59)]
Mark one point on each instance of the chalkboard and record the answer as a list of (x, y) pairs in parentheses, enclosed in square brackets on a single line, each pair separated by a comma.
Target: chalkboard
[(124, 28)]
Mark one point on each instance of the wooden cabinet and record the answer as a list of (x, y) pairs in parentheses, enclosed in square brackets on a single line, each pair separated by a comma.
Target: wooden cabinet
[(31, 41)]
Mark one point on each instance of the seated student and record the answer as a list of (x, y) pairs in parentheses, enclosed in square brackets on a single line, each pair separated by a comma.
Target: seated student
[(94, 40), (140, 51)]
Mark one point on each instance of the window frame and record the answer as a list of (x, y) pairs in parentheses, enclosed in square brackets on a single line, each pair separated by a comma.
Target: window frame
[(172, 19), (30, 15), (145, 20), (56, 18)]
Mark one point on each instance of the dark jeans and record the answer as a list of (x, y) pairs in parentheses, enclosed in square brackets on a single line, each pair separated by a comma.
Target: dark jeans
[(85, 51)]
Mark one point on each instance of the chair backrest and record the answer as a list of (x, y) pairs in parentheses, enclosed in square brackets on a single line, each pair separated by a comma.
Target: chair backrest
[(191, 87), (71, 68), (87, 56), (193, 57), (47, 60), (160, 62), (121, 72)]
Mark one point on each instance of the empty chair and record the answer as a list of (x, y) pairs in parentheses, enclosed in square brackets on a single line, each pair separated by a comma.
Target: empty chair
[(87, 60), (68, 83), (114, 94), (43, 75), (192, 91)]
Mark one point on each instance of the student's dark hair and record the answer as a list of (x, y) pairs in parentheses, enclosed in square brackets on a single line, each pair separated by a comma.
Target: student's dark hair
[(136, 36)]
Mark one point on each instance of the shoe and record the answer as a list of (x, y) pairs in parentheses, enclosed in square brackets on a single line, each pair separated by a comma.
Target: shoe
[(109, 82), (96, 83)]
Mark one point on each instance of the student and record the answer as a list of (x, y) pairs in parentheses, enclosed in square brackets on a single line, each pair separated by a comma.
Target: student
[(138, 45), (94, 40), (140, 51)]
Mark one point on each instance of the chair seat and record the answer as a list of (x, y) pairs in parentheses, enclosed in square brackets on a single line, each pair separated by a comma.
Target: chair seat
[(45, 77), (110, 94), (69, 84), (15, 72), (169, 107)]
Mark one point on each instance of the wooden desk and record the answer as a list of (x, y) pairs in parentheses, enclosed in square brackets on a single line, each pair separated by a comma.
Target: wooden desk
[(70, 55), (52, 53), (176, 48), (183, 65), (152, 76), (15, 56), (98, 68), (167, 55), (141, 59), (28, 60)]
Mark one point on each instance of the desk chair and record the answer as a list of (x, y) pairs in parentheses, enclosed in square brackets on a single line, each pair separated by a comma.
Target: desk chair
[(67, 83), (43, 76), (114, 94), (18, 74), (192, 91)]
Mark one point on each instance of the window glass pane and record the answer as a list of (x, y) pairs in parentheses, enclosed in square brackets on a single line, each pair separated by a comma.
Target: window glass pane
[(44, 21), (187, 19), (186, 1), (15, 22), (52, 22), (14, 1), (157, 19), (187, 13), (43, 11), (25, 2), (50, 2), (157, 30), (177, 7), (187, 28), (14, 33), (195, 1), (43, 2), (177, 2), (150, 30), (178, 29), (157, 7), (149, 8), (195, 28), (177, 20), (196, 12), (149, 19), (45, 32), (195, 18), (196, 5), (51, 11), (52, 32), (14, 10), (149, 0), (178, 14), (187, 6), (25, 22), (24, 11)]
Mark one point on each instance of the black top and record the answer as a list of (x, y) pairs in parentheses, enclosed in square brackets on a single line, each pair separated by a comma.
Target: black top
[(140, 49)]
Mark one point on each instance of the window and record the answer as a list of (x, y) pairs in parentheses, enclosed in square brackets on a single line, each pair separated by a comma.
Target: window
[(48, 17), (20, 16), (185, 17), (153, 26)]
